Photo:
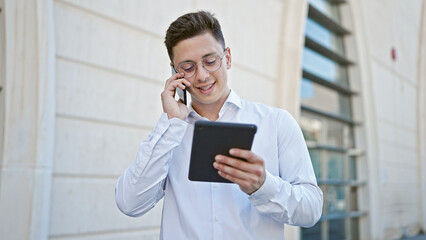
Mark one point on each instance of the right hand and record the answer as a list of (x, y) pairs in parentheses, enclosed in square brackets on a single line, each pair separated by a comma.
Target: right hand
[(172, 107)]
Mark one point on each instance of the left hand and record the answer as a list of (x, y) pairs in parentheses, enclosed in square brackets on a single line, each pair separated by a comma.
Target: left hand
[(249, 175)]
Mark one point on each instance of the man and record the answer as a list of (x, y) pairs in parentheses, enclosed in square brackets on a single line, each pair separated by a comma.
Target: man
[(275, 185)]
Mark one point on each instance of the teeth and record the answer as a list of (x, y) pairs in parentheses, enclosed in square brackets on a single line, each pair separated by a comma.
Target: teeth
[(206, 87)]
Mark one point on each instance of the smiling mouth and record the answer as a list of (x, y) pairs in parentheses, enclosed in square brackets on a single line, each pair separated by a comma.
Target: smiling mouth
[(206, 87)]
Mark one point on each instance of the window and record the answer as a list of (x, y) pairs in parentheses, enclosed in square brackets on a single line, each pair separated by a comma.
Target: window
[(327, 122)]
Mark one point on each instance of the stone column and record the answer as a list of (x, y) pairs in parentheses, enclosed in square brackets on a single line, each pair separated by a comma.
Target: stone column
[(421, 121), (292, 42), (28, 120), (294, 15)]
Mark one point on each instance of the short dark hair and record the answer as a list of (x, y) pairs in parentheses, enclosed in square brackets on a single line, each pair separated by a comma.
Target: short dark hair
[(190, 25)]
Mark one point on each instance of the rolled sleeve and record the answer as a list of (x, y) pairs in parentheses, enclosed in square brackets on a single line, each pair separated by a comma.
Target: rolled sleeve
[(266, 192)]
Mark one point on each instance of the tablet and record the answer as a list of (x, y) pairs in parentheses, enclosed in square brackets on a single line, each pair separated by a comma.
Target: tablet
[(211, 139)]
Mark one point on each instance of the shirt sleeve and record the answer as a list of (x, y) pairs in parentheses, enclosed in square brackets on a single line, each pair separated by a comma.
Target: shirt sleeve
[(293, 197), (141, 186)]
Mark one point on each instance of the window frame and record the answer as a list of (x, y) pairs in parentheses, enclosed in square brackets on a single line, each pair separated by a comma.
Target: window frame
[(352, 186)]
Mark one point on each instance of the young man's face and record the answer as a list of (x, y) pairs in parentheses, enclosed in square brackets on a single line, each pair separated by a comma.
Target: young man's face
[(208, 88)]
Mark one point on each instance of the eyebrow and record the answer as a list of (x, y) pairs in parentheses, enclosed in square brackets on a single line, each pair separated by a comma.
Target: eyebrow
[(204, 56), (209, 54)]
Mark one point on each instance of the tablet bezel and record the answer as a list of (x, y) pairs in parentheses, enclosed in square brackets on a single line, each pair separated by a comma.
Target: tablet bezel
[(213, 138)]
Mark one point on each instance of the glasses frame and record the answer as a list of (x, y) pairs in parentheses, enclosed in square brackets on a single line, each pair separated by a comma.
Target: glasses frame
[(202, 63)]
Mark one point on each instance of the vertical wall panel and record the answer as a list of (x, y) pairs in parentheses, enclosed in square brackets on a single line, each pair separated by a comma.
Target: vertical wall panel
[(393, 25), (111, 69), (94, 39), (26, 161), (93, 93), (82, 206)]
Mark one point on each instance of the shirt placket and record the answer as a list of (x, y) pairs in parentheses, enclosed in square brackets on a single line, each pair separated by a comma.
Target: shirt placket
[(227, 113), (216, 211)]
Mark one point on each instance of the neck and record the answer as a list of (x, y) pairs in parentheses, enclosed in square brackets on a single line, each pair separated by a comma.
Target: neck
[(210, 111)]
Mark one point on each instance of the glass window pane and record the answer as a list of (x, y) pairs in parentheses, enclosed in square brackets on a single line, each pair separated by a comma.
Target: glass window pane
[(326, 8), (354, 229), (335, 166), (353, 199), (336, 229), (336, 201), (352, 168), (316, 161), (313, 233), (312, 128), (325, 131), (323, 67), (324, 36), (324, 99), (322, 132), (345, 106)]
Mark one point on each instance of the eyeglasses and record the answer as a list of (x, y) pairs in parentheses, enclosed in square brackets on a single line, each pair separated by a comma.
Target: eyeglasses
[(211, 63)]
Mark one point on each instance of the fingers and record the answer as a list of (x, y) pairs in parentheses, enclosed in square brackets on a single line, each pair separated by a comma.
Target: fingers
[(238, 167), (175, 77), (233, 167), (245, 185), (244, 154), (245, 166), (249, 174), (172, 107), (177, 80)]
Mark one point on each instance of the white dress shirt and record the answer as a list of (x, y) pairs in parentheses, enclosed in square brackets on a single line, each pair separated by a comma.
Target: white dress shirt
[(202, 210)]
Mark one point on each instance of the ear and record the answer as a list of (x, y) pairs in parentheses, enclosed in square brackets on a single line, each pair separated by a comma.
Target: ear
[(172, 67), (228, 57)]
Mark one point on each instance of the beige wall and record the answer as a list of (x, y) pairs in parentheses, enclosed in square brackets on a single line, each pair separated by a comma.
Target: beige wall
[(111, 65), (389, 89), (26, 161), (2, 77), (82, 86), (421, 106)]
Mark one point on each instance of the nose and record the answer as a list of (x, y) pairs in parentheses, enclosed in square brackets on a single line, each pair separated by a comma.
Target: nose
[(201, 73)]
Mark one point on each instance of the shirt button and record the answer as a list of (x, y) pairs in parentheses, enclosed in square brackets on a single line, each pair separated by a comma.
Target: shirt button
[(216, 218), (214, 186)]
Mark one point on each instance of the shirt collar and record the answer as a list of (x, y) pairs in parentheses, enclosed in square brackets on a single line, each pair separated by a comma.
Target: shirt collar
[(233, 100)]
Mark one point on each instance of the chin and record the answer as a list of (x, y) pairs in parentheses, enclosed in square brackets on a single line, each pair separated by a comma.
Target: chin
[(213, 98), (207, 101)]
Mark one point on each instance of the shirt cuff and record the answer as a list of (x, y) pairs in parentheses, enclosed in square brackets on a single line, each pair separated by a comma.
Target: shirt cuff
[(266, 192), (170, 129)]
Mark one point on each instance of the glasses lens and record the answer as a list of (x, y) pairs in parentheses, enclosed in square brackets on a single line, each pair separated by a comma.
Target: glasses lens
[(187, 67), (211, 63)]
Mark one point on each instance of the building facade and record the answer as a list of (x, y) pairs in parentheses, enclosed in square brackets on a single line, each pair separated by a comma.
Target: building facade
[(80, 89)]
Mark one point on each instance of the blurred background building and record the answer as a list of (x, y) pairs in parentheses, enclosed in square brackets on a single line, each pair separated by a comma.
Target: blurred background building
[(80, 89)]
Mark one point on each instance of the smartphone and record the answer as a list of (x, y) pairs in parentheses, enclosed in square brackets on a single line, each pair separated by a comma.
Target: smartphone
[(181, 93)]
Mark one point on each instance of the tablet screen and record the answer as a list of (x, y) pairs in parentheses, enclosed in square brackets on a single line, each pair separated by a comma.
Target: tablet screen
[(211, 139)]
